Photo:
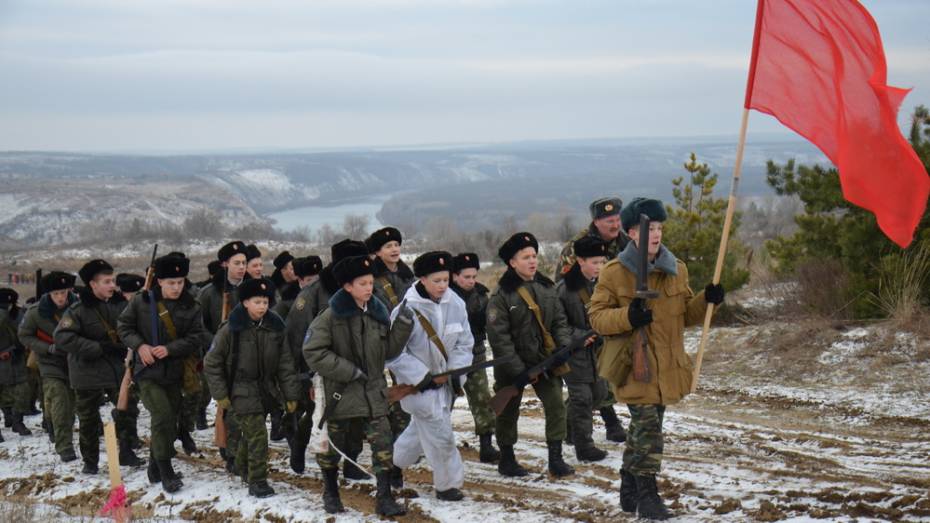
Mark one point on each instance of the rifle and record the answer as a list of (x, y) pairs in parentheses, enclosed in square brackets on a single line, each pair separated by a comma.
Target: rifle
[(396, 393), (219, 425), (38, 284), (641, 371), (506, 394), (122, 402)]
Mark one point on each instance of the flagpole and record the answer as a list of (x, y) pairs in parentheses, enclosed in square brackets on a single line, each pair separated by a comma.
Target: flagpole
[(734, 189)]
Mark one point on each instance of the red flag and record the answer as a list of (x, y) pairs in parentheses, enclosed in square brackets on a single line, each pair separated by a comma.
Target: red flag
[(818, 67)]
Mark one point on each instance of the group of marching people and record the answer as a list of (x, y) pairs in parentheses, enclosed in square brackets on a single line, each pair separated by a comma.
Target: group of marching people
[(255, 345)]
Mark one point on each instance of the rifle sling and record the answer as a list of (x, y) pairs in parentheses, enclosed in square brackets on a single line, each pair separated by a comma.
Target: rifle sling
[(111, 332), (548, 341), (389, 290), (431, 333)]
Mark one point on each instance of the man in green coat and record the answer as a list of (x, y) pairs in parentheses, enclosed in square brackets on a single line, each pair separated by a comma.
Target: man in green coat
[(162, 328), (465, 269), (87, 333), (605, 226), (250, 372), (515, 332), (36, 332), (14, 387), (348, 344)]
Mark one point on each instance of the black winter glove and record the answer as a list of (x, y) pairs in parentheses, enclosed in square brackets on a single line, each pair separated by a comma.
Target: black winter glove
[(638, 314), (714, 293)]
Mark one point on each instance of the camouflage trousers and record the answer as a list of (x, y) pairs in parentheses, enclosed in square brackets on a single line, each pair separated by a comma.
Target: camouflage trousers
[(252, 448), (479, 398), (583, 398), (549, 392), (35, 389), (163, 403), (376, 430), (192, 404), (59, 408), (87, 406), (15, 397), (644, 441)]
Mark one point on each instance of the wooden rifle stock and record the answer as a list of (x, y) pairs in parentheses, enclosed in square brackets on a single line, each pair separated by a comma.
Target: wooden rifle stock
[(122, 401)]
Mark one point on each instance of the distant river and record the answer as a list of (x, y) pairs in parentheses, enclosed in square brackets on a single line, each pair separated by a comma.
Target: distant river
[(314, 216)]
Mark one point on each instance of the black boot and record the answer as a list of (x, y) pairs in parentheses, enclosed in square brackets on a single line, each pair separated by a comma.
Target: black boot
[(277, 428), (32, 411), (452, 494), (648, 503), (152, 471), (569, 435), (67, 456), (331, 502), (508, 465), (47, 427), (488, 454), (588, 452), (19, 427), (90, 467), (170, 481), (260, 489), (127, 457), (350, 471), (1, 438), (7, 417), (627, 492), (202, 420), (299, 457), (397, 477), (615, 430), (231, 465), (557, 466), (384, 500), (187, 442)]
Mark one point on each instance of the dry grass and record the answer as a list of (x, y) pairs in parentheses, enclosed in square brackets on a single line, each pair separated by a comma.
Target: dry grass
[(901, 285)]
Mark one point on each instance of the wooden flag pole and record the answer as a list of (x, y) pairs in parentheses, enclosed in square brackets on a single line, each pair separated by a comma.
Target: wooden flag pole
[(117, 506), (722, 252)]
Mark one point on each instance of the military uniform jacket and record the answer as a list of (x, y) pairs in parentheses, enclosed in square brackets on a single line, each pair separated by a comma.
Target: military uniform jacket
[(37, 327), (13, 369), (399, 281), (308, 304), (512, 326), (135, 329), (82, 333), (287, 293), (211, 301), (344, 338), (674, 309), (264, 370), (572, 290), (476, 303)]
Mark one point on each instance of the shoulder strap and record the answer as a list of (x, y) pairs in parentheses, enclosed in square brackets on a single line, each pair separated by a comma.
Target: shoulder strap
[(167, 321), (389, 290), (111, 332), (531, 303), (585, 296), (431, 333)]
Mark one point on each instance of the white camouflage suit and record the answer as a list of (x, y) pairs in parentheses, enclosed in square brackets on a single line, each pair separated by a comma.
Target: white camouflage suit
[(430, 430)]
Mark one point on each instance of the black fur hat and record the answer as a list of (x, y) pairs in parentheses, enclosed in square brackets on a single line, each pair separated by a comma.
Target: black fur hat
[(93, 268), (8, 296), (281, 260), (172, 267), (345, 249), (256, 287), (229, 250), (603, 207), (515, 244), (308, 266), (589, 247), (129, 282), (430, 262), (57, 281), (382, 236), (648, 206), (352, 267), (252, 252), (465, 260), (213, 266)]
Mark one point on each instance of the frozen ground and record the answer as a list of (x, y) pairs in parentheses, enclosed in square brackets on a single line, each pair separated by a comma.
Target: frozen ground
[(793, 422)]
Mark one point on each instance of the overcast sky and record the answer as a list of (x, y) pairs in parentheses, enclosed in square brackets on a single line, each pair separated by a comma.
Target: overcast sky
[(217, 74)]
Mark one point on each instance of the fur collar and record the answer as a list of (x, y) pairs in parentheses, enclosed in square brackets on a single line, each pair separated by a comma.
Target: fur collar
[(381, 269), (186, 299), (328, 280), (575, 280), (47, 308), (665, 262), (239, 320), (479, 288), (88, 298), (510, 281), (343, 306)]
